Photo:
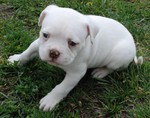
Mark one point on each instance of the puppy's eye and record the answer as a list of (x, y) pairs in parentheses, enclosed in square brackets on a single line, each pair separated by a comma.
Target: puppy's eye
[(71, 43), (45, 35)]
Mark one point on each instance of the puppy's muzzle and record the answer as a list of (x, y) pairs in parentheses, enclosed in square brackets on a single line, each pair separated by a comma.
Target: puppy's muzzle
[(54, 54)]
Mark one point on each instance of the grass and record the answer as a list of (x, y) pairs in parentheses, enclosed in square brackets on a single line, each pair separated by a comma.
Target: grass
[(124, 94)]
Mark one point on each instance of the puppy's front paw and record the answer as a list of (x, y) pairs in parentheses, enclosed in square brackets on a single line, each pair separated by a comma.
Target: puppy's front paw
[(14, 58), (48, 102)]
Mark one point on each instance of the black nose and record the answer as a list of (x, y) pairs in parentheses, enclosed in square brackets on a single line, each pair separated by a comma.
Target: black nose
[(54, 54)]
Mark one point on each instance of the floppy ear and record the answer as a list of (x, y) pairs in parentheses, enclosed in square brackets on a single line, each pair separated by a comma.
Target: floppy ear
[(44, 13), (41, 18), (92, 30), (90, 34)]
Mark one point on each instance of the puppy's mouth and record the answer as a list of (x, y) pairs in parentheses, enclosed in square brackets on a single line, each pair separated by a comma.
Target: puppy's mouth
[(53, 62)]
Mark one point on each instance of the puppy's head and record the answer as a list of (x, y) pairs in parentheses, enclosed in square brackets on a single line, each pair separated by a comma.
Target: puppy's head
[(63, 34)]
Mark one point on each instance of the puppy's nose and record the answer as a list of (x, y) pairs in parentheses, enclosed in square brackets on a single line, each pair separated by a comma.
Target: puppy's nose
[(54, 54)]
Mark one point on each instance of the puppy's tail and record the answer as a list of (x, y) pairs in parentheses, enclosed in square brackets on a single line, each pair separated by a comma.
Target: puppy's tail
[(138, 60)]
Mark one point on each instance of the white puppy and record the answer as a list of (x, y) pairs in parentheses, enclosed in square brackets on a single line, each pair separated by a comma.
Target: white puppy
[(76, 42)]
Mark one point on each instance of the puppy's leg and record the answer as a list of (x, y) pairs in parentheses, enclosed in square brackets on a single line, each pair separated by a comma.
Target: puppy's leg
[(121, 56), (27, 55), (60, 91), (99, 73)]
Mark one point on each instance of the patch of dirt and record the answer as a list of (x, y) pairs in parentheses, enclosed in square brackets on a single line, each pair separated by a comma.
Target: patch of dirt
[(5, 11)]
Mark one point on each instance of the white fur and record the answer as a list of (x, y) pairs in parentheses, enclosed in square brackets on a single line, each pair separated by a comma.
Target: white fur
[(103, 43)]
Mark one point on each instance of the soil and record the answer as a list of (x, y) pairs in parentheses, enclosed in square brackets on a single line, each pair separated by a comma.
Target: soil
[(5, 11)]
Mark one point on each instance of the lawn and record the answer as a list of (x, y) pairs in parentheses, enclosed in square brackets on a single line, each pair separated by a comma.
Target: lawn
[(124, 94)]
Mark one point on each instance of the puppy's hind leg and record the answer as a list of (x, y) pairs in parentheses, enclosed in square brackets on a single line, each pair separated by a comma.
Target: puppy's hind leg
[(99, 73), (121, 56)]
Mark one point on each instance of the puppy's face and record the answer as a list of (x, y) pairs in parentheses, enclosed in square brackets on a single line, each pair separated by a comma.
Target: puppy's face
[(62, 36)]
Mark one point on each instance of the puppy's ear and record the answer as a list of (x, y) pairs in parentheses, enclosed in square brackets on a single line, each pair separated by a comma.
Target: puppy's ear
[(41, 18), (44, 13), (92, 30), (89, 33)]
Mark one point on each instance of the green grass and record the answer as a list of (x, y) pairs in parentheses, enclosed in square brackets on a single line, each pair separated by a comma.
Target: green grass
[(121, 94)]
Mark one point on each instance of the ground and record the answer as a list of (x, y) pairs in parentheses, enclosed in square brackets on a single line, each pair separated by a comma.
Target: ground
[(123, 94)]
